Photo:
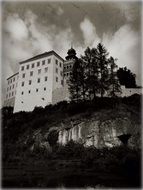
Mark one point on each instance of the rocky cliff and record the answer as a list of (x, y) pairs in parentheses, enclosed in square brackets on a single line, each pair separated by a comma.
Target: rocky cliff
[(99, 129), (102, 129)]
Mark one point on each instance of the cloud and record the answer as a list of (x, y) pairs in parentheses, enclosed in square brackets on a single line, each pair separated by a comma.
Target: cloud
[(89, 32), (124, 44), (16, 27), (60, 11), (26, 37)]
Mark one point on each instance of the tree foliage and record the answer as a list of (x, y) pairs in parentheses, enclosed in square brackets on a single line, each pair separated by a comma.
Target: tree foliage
[(94, 74), (126, 77)]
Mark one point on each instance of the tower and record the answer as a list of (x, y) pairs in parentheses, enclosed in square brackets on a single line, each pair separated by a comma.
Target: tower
[(68, 64)]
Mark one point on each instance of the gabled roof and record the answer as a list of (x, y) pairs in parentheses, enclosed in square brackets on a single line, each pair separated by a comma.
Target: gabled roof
[(12, 76), (42, 56)]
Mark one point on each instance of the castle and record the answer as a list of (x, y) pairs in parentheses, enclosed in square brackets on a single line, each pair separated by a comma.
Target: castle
[(42, 80)]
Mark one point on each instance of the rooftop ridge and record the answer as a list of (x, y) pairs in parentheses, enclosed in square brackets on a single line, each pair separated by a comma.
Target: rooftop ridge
[(41, 56), (12, 75)]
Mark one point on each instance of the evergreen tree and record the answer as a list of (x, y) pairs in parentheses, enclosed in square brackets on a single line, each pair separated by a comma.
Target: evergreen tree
[(76, 81), (114, 89), (91, 72), (102, 68)]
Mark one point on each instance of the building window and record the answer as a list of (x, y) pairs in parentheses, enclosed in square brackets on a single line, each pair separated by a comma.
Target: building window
[(39, 71), (43, 62), (61, 73), (22, 68), (12, 93), (62, 82), (6, 96), (30, 82), (9, 95), (10, 87), (67, 74), (56, 70), (13, 79), (32, 65), (27, 67), (13, 86), (49, 60), (22, 84), (38, 64), (29, 91), (56, 79), (64, 75), (31, 73), (36, 89), (60, 64), (56, 62), (7, 89), (46, 69), (23, 75), (22, 92), (64, 67), (46, 78), (44, 88), (38, 80), (67, 67)]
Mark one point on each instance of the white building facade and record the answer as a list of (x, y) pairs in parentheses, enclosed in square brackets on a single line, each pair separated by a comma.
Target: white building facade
[(11, 90), (38, 78)]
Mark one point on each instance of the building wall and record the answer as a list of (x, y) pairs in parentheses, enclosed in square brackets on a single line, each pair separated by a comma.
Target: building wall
[(60, 94), (130, 91), (11, 90), (37, 93)]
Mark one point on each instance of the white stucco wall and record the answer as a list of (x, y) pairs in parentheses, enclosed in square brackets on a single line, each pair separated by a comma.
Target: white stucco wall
[(130, 91), (27, 101), (11, 89)]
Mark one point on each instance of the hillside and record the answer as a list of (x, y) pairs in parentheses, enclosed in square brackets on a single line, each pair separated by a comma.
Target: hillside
[(31, 139)]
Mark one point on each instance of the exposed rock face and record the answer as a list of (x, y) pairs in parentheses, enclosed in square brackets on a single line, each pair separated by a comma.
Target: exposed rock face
[(99, 131)]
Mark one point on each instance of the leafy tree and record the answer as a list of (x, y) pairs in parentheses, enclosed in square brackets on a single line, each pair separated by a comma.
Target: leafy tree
[(126, 77), (113, 79)]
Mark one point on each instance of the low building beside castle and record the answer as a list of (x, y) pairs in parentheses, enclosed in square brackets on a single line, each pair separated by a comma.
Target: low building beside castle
[(43, 80)]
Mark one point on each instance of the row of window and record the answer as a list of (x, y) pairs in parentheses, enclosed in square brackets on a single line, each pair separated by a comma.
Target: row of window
[(39, 72), (29, 91), (11, 87), (68, 67), (39, 80), (67, 74), (12, 80), (11, 94), (38, 64)]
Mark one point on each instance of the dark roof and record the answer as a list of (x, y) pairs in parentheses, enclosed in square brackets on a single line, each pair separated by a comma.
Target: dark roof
[(12, 75), (42, 55)]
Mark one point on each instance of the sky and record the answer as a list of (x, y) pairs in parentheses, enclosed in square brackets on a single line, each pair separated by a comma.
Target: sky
[(31, 28)]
